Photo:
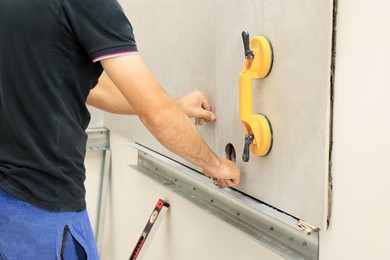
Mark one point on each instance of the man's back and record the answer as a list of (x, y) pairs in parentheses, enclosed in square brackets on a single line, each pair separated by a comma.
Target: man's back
[(47, 49)]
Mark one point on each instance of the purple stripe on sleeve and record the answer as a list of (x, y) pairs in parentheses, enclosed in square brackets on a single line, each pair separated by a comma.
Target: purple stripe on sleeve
[(115, 54)]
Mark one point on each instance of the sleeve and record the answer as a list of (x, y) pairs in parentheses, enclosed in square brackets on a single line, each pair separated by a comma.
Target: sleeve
[(100, 27)]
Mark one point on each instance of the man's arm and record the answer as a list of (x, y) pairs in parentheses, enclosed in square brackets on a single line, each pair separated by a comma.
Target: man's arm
[(164, 117), (106, 96)]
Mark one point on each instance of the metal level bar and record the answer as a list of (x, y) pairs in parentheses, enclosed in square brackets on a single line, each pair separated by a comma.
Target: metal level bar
[(98, 139), (272, 228)]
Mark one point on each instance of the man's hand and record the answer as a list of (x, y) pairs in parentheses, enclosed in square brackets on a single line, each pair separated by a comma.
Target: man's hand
[(223, 172), (195, 105)]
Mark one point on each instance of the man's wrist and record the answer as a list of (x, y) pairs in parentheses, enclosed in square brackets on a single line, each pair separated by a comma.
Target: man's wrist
[(211, 169)]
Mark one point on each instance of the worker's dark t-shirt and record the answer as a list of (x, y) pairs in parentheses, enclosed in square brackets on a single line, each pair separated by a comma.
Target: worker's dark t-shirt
[(49, 61)]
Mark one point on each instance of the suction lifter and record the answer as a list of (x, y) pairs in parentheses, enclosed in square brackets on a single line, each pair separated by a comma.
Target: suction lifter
[(258, 65)]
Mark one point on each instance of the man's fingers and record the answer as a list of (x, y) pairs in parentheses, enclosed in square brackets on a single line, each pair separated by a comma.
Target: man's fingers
[(232, 183), (221, 183), (205, 104), (204, 116), (199, 121), (207, 115)]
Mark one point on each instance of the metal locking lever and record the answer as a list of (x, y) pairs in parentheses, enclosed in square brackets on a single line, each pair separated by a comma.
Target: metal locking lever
[(248, 52), (248, 140)]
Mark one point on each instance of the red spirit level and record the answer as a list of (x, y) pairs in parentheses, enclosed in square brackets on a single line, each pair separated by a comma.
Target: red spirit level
[(150, 229)]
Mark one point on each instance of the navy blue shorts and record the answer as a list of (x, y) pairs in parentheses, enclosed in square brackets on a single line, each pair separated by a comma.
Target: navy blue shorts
[(28, 232)]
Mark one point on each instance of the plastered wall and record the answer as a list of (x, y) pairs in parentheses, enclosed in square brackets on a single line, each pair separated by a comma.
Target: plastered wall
[(197, 45)]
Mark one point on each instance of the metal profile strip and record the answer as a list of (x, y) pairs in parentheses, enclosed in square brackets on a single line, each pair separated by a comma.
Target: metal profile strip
[(98, 139), (270, 227)]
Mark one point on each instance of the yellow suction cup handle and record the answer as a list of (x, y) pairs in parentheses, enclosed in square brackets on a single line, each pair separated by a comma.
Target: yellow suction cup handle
[(258, 64)]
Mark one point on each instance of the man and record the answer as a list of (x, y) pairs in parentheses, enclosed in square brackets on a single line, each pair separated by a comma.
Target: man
[(52, 54)]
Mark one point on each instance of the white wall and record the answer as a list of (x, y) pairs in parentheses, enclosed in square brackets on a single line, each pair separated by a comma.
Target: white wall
[(361, 169), (97, 117)]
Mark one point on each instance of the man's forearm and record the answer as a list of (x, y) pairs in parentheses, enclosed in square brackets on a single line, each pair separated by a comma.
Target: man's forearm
[(175, 131), (107, 97)]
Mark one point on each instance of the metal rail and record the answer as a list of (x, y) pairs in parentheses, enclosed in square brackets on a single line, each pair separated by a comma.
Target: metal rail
[(278, 231), (98, 139)]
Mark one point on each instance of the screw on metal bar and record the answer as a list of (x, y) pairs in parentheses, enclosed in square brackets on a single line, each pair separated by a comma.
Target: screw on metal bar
[(248, 140)]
